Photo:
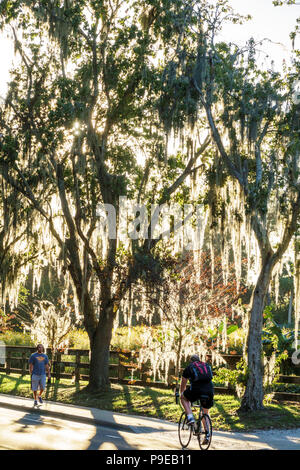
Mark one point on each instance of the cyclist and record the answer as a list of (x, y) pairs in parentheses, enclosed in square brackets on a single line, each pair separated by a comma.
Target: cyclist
[(200, 376)]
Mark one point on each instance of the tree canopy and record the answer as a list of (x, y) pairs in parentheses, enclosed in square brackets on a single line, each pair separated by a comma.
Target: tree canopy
[(141, 100)]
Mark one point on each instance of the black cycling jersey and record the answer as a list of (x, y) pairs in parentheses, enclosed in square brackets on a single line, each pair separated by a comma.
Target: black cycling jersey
[(199, 387)]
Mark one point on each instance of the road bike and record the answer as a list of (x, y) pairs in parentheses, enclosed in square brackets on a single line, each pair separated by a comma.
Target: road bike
[(201, 429)]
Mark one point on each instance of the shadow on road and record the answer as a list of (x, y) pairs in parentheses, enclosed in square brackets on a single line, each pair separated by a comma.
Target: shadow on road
[(108, 439)]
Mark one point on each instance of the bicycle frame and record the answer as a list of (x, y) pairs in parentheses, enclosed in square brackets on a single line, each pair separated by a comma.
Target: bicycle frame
[(197, 426)]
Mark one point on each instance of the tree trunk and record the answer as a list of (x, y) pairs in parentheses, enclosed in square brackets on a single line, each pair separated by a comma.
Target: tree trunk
[(290, 310), (178, 355), (297, 287), (254, 393), (100, 346)]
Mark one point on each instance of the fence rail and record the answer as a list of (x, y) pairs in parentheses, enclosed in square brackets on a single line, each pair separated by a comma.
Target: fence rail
[(123, 368), (66, 364), (74, 363)]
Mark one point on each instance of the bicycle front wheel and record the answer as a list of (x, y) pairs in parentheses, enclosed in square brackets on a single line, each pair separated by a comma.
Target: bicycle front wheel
[(184, 431), (205, 432)]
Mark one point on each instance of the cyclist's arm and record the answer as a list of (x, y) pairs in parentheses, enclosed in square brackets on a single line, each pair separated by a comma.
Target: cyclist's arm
[(183, 385)]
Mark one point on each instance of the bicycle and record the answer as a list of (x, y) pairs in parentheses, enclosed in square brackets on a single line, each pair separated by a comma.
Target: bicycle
[(202, 428)]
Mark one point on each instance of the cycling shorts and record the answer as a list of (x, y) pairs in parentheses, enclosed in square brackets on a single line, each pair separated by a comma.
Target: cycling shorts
[(194, 395)]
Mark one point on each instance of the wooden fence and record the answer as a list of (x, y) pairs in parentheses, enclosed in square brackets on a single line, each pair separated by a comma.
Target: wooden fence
[(66, 364), (123, 368), (74, 363)]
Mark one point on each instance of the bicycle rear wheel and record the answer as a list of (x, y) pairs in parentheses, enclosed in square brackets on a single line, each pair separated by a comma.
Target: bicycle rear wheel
[(205, 432), (184, 431)]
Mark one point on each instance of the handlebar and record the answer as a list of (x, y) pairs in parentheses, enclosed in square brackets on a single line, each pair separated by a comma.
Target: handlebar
[(177, 397)]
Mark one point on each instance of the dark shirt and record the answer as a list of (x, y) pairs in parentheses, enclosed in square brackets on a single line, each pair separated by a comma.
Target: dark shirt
[(203, 387), (39, 361)]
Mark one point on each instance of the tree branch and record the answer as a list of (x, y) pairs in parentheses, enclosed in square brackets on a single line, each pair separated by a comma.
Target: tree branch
[(289, 231), (187, 171)]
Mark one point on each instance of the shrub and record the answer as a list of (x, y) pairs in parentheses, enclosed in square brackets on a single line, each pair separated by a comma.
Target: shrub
[(128, 338), (236, 378), (13, 338), (124, 338), (78, 339), (236, 340)]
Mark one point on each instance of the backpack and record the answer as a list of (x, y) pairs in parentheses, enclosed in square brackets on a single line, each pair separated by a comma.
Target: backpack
[(201, 372)]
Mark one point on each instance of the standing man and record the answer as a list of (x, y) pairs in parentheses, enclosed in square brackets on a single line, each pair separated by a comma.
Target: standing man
[(38, 367)]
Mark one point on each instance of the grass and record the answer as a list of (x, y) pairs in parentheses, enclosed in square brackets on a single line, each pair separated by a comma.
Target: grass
[(158, 403)]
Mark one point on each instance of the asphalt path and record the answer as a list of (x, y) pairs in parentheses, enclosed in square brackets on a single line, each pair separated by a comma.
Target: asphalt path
[(28, 430)]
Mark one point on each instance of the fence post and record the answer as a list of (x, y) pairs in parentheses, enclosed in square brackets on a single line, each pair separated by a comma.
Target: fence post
[(8, 362), (121, 369), (50, 355), (23, 363), (58, 362), (77, 367), (144, 372), (171, 372)]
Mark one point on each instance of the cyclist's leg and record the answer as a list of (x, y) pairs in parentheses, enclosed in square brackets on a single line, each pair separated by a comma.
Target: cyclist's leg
[(205, 412), (207, 402), (186, 400), (186, 405), (206, 405)]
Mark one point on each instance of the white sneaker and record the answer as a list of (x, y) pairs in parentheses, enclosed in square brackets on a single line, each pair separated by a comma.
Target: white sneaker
[(190, 421)]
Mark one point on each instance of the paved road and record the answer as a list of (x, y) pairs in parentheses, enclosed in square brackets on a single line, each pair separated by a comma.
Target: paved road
[(30, 431), (27, 430)]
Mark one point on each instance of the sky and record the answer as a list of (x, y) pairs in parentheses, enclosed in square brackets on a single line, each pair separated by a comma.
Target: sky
[(274, 23)]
